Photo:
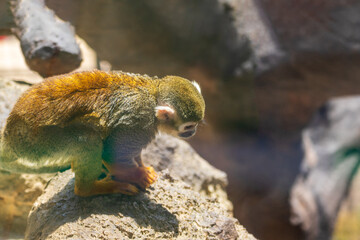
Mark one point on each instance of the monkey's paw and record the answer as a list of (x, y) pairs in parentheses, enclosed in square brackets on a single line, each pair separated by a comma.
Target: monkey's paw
[(128, 190), (142, 177), (106, 186), (146, 177)]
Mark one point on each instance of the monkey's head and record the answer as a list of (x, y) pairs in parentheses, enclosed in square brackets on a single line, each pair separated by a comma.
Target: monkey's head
[(180, 106)]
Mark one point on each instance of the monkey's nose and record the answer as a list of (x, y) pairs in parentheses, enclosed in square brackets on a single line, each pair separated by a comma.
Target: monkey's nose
[(187, 134)]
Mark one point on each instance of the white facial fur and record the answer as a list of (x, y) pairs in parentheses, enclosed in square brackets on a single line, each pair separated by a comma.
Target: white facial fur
[(166, 113)]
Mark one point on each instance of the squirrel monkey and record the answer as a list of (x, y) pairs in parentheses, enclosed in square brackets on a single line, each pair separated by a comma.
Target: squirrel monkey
[(95, 122)]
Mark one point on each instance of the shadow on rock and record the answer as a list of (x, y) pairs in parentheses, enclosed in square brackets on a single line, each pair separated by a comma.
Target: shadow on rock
[(119, 213)]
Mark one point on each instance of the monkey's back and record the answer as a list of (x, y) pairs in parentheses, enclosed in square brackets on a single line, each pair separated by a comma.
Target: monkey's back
[(59, 99), (53, 113)]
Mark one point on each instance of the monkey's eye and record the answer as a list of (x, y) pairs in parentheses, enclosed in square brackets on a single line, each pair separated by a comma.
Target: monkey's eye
[(187, 126)]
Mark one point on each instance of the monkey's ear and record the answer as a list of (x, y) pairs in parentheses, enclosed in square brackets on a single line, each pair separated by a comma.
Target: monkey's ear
[(164, 113), (197, 86)]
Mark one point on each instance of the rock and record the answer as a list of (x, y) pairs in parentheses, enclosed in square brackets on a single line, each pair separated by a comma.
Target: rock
[(348, 221), (6, 19), (49, 49), (195, 208), (320, 43), (321, 47), (159, 37), (331, 146), (170, 209), (17, 191), (10, 91), (251, 22), (181, 160), (315, 26), (17, 194)]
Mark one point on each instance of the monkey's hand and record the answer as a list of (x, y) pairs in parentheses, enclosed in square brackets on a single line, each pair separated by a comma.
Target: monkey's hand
[(142, 177), (89, 187)]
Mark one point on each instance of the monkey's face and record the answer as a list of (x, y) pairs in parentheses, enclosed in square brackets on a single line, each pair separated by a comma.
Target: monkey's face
[(187, 130), (181, 106), (169, 123)]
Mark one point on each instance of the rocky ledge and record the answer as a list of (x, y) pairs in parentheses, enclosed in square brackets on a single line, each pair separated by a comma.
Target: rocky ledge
[(188, 201)]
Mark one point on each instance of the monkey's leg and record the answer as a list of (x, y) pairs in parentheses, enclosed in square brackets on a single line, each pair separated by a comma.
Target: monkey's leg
[(87, 165), (87, 183), (122, 156)]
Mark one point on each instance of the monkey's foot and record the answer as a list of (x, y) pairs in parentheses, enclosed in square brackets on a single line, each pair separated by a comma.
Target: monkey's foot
[(106, 186), (143, 177), (147, 177)]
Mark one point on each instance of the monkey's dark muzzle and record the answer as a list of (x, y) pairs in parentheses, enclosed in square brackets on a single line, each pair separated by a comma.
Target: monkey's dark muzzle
[(187, 134)]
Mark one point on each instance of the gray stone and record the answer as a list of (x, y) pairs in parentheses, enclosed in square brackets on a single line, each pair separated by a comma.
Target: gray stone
[(181, 160), (170, 209), (6, 18), (331, 146), (159, 37), (251, 22), (10, 91), (17, 191), (17, 194), (47, 42), (315, 26)]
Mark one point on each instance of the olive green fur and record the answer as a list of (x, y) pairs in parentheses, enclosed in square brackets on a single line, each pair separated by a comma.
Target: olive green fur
[(186, 99), (84, 118)]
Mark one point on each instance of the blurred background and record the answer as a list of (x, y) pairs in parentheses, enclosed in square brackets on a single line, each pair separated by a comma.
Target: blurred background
[(279, 79)]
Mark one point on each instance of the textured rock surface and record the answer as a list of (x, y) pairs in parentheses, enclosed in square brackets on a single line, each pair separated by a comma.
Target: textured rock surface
[(158, 37), (181, 160), (169, 209), (49, 49), (317, 26), (251, 22), (18, 192)]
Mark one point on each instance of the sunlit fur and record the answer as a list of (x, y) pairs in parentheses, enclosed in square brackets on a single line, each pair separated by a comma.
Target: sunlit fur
[(81, 119)]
